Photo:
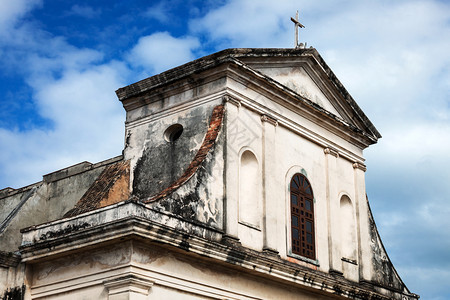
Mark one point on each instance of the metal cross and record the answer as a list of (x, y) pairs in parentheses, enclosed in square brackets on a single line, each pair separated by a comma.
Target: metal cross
[(297, 24)]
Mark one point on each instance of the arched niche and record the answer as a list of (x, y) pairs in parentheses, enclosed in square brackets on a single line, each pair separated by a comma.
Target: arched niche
[(347, 229), (250, 196)]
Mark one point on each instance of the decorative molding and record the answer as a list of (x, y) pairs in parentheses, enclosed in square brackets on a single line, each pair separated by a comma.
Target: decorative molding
[(270, 120), (231, 240), (235, 102), (350, 261), (137, 224), (128, 284), (302, 258), (249, 225), (9, 259), (337, 273), (270, 251), (331, 151), (173, 109), (360, 166)]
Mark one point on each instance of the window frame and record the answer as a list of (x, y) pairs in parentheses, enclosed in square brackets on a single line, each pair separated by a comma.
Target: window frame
[(301, 190)]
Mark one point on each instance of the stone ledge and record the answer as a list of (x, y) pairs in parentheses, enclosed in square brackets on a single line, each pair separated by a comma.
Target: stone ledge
[(9, 259), (135, 221)]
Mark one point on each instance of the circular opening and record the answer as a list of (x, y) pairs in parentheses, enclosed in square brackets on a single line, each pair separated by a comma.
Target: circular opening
[(173, 132)]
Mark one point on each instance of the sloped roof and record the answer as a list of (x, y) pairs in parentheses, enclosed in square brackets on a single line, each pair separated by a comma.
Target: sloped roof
[(110, 187), (237, 56)]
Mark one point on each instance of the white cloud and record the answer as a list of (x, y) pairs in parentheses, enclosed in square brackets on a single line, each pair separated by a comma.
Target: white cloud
[(248, 24), (85, 113), (87, 123), (72, 88), (12, 10), (392, 57), (161, 51)]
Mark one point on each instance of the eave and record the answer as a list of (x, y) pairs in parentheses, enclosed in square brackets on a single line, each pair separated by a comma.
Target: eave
[(233, 56), (130, 220)]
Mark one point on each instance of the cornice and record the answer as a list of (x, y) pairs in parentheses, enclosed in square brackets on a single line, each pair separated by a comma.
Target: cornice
[(136, 226), (360, 166), (231, 100), (9, 259), (289, 124), (331, 151), (190, 74), (270, 120), (283, 96)]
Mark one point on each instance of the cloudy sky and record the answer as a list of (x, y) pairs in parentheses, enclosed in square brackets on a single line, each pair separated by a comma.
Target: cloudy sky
[(62, 61)]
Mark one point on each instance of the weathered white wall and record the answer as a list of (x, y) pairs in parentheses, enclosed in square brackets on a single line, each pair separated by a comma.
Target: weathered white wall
[(155, 272), (296, 144), (45, 201), (250, 185)]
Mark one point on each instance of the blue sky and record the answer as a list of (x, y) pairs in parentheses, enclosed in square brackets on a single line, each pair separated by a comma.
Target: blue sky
[(62, 61)]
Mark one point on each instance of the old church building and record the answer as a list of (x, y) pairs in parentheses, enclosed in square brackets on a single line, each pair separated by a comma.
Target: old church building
[(242, 177)]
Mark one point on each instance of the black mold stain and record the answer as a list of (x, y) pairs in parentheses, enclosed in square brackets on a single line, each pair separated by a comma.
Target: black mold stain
[(164, 162), (68, 229), (127, 140), (384, 270), (184, 244), (192, 206), (236, 257), (337, 290), (16, 293)]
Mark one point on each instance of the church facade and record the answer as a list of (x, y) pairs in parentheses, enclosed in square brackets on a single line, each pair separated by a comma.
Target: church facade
[(242, 177)]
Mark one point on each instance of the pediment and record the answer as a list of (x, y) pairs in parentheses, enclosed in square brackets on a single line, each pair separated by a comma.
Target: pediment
[(302, 72), (299, 80), (302, 76)]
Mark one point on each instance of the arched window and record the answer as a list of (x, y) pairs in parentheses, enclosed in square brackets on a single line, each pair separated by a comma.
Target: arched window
[(302, 217)]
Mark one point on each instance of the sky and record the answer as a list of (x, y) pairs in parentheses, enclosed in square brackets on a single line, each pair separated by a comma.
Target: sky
[(63, 60)]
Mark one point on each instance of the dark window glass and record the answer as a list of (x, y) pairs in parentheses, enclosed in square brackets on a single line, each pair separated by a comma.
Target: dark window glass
[(309, 237), (308, 226), (308, 190), (308, 205), (295, 233), (296, 182), (294, 199), (302, 217)]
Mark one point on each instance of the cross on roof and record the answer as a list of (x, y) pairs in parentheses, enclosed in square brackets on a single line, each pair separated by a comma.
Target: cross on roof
[(297, 24)]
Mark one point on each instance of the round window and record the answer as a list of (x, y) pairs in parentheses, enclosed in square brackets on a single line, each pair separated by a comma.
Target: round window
[(173, 132)]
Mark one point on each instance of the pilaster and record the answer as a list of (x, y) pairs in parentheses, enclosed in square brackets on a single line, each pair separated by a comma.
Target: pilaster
[(331, 156), (362, 221), (231, 166), (128, 287), (269, 189)]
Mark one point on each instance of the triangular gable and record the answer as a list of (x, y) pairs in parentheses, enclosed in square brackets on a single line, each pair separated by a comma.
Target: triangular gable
[(298, 80), (302, 71)]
